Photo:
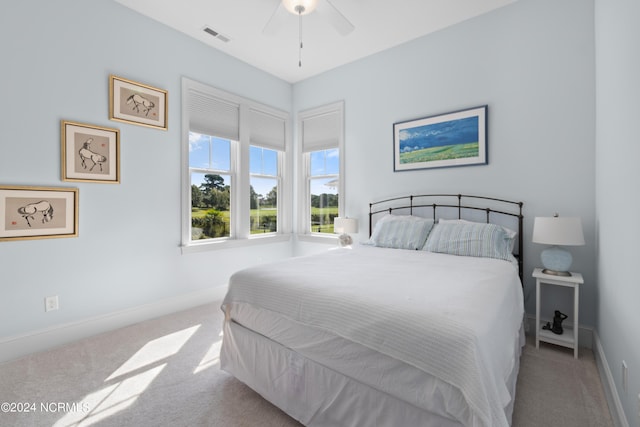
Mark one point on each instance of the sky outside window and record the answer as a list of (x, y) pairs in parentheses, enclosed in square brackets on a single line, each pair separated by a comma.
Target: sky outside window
[(263, 161), (209, 152), (325, 162)]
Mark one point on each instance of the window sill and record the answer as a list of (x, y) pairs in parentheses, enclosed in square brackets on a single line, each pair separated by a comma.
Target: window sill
[(330, 239), (234, 243)]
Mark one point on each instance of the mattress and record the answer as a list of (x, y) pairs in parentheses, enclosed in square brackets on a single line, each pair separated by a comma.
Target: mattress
[(440, 333)]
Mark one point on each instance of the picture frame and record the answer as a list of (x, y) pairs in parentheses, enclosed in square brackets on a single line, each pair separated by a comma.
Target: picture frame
[(89, 153), (28, 213), (137, 103), (457, 138)]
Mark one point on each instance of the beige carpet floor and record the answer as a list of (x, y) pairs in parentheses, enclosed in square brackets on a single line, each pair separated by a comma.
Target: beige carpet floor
[(165, 372)]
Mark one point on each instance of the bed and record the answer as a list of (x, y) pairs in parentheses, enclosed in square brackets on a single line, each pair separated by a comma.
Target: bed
[(420, 326)]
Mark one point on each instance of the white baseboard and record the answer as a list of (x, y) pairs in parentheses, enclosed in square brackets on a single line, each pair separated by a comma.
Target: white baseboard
[(610, 390), (585, 333), (43, 339)]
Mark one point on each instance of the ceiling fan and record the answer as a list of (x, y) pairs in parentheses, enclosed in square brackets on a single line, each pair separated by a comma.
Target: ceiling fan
[(305, 7)]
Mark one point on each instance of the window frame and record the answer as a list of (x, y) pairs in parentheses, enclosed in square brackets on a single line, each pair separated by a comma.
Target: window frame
[(304, 230), (240, 233)]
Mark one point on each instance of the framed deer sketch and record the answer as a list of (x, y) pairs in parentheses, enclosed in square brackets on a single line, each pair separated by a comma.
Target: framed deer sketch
[(90, 153), (38, 212), (137, 103)]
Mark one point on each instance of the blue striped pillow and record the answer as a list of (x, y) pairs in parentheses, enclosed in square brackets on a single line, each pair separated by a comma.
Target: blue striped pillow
[(470, 239), (401, 232)]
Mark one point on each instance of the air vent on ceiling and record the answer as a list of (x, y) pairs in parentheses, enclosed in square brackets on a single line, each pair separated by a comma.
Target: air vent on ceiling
[(216, 34)]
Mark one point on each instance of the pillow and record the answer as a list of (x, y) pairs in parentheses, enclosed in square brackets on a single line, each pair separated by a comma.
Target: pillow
[(401, 232), (511, 234), (470, 239)]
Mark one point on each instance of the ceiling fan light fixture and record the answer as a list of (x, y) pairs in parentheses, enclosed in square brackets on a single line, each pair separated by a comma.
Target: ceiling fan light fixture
[(300, 7)]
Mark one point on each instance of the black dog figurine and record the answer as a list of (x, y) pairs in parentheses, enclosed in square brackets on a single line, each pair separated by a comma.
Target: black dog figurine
[(557, 323)]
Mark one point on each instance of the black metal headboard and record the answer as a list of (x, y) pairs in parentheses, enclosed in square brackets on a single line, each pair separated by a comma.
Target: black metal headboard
[(461, 206)]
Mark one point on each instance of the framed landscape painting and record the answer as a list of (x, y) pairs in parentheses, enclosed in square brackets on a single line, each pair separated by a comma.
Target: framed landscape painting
[(38, 212), (457, 138), (90, 153), (137, 103)]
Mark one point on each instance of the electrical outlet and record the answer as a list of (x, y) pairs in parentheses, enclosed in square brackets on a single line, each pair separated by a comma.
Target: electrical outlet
[(625, 376), (51, 303)]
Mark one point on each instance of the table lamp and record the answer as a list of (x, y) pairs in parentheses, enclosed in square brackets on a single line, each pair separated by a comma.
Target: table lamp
[(557, 231), (344, 226)]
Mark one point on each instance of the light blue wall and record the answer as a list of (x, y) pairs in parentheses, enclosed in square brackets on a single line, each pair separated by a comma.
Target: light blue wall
[(533, 64), (617, 184), (56, 59)]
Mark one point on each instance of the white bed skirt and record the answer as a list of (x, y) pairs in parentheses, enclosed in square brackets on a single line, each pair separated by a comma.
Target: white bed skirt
[(317, 395)]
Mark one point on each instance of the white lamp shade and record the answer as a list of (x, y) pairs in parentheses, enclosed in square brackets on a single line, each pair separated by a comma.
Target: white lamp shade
[(344, 225), (562, 231)]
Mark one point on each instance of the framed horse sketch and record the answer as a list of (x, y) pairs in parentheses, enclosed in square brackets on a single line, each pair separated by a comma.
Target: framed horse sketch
[(38, 212), (90, 153), (137, 103)]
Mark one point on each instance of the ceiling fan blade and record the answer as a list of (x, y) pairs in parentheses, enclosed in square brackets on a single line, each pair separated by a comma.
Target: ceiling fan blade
[(277, 20), (335, 18)]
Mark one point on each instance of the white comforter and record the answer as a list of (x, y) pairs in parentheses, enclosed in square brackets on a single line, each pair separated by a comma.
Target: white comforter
[(453, 317)]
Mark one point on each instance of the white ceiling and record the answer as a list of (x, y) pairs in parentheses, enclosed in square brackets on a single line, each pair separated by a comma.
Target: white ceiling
[(379, 25)]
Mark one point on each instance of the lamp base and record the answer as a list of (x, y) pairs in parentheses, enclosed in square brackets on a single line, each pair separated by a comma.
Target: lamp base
[(556, 261), (556, 273), (344, 240)]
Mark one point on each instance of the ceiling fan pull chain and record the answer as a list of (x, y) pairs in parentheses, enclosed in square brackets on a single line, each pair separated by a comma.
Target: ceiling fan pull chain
[(300, 9)]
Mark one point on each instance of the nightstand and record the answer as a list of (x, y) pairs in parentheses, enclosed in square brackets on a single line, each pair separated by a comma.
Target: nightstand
[(570, 336)]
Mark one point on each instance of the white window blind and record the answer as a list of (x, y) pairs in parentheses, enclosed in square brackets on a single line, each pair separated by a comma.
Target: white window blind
[(213, 116), (321, 132), (267, 131)]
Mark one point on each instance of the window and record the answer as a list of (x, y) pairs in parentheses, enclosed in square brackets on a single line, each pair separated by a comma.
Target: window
[(264, 190), (322, 188), (210, 178), (234, 155)]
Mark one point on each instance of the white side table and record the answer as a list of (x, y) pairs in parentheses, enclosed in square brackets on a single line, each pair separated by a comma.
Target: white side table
[(570, 336)]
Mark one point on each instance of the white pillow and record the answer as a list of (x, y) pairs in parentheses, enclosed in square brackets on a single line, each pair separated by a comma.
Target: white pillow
[(470, 239), (401, 232), (511, 234)]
